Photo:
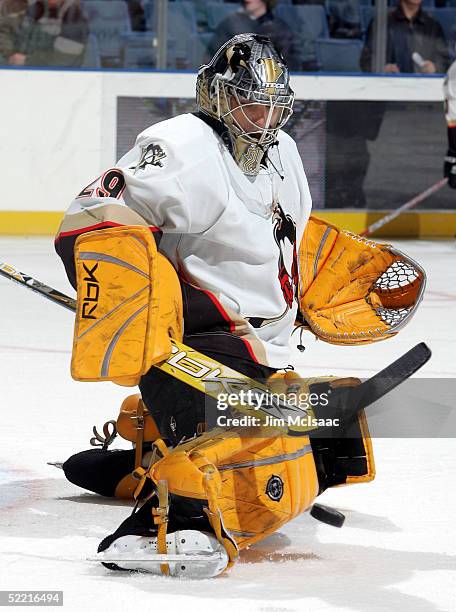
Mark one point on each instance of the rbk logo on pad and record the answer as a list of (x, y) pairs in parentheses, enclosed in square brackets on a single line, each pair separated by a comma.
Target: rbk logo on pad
[(92, 293)]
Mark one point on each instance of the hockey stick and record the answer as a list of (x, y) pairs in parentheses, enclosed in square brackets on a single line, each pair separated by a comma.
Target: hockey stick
[(205, 374), (212, 378), (35, 285), (410, 204), (346, 402)]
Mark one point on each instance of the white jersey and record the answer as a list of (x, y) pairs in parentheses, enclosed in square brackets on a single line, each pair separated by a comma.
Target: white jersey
[(231, 236), (449, 90)]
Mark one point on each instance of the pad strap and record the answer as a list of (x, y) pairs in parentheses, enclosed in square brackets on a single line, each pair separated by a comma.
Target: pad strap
[(214, 515), (160, 516), (139, 433)]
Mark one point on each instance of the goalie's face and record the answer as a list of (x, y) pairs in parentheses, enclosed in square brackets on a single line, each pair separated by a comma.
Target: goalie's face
[(259, 121), (254, 118)]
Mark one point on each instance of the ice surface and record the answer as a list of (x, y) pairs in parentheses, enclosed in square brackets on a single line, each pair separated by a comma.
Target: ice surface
[(396, 550)]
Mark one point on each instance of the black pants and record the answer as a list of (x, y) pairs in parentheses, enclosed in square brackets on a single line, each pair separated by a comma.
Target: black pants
[(179, 411)]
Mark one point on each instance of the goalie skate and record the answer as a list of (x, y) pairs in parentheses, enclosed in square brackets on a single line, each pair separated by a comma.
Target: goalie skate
[(191, 554)]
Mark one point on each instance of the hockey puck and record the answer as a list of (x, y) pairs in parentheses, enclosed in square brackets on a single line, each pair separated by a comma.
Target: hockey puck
[(327, 515)]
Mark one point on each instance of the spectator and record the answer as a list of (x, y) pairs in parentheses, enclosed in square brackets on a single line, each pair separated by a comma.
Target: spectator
[(47, 33), (137, 15), (12, 13), (256, 16), (410, 31)]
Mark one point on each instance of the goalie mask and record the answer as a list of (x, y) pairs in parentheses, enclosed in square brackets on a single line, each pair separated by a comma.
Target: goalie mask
[(246, 87)]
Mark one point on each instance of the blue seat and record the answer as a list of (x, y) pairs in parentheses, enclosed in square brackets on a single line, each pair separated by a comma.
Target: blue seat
[(344, 10), (338, 55), (182, 27), (366, 14), (109, 22), (139, 51), (217, 11), (91, 57), (447, 19), (199, 48), (182, 35), (201, 10), (308, 22)]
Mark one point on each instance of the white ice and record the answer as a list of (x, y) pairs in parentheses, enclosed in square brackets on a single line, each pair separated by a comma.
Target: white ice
[(396, 550)]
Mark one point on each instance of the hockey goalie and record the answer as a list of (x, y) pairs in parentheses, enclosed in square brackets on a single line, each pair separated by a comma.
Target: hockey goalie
[(202, 235)]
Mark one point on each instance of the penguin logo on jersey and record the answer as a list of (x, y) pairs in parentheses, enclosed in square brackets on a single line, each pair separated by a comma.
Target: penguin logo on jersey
[(285, 237), (150, 156)]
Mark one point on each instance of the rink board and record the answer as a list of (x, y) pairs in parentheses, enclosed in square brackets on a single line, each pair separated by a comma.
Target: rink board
[(413, 224)]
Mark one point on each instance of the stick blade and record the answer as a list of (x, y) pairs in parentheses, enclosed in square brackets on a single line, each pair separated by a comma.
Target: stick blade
[(390, 377), (346, 402)]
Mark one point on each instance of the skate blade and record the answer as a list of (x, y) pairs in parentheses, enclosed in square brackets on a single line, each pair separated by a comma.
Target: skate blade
[(201, 558), (191, 566)]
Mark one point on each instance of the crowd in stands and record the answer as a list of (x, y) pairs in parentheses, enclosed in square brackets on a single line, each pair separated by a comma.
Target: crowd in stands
[(313, 35), (257, 16), (42, 33), (415, 42)]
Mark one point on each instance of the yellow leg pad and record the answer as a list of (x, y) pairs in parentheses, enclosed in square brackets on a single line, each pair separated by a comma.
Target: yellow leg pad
[(129, 305), (259, 483)]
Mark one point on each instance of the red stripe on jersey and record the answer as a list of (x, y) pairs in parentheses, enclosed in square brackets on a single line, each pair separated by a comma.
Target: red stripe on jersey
[(184, 276), (250, 350), (104, 224), (220, 308)]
